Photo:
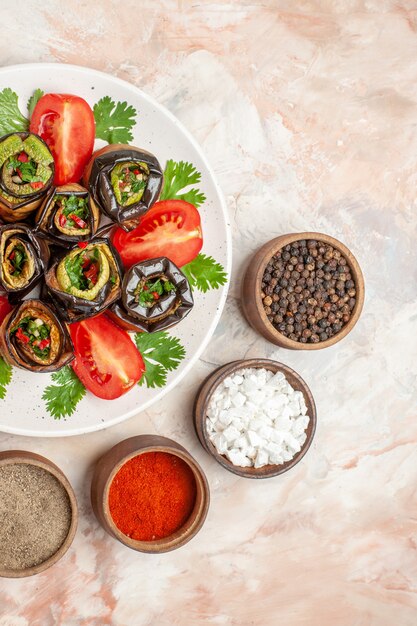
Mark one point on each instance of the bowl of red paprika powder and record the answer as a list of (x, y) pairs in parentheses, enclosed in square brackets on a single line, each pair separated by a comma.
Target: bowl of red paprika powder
[(150, 493)]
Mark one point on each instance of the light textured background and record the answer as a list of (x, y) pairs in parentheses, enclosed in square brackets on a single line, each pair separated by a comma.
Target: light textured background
[(307, 111)]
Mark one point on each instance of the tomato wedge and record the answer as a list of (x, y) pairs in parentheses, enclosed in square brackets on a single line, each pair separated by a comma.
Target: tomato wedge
[(171, 228), (5, 307), (66, 123), (106, 360)]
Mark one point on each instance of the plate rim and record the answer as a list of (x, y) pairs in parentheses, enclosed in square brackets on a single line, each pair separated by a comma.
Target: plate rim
[(228, 267)]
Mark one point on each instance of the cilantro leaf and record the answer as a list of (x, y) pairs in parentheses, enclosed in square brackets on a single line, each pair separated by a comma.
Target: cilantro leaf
[(161, 353), (114, 120), (5, 377), (178, 176), (33, 100), (62, 398), (11, 118), (204, 273)]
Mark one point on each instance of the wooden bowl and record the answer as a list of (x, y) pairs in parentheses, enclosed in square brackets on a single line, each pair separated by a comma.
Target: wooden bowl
[(203, 399), (108, 466), (252, 286), (12, 457)]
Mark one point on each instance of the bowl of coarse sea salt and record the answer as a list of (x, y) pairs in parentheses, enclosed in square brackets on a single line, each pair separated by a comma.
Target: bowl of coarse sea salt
[(256, 417)]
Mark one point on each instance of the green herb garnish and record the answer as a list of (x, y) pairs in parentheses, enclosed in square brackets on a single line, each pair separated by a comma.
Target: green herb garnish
[(204, 273), (26, 171), (178, 176), (150, 291), (33, 101), (74, 270), (34, 334), (17, 258), (5, 377), (63, 397), (73, 206), (11, 119), (161, 353), (114, 120)]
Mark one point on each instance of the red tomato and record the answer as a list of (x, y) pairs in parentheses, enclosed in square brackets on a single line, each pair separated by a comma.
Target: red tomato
[(5, 307), (106, 360), (171, 228), (66, 124)]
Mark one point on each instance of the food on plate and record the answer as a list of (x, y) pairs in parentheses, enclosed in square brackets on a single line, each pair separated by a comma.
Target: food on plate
[(26, 174), (106, 360), (66, 123), (33, 337), (256, 418), (308, 291), (171, 228), (155, 295), (68, 215), (24, 258), (125, 181), (86, 280)]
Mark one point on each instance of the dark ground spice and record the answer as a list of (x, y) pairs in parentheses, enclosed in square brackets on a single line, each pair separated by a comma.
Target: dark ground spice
[(35, 515)]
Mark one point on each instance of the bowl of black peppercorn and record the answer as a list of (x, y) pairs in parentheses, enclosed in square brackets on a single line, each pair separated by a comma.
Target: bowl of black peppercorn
[(303, 291)]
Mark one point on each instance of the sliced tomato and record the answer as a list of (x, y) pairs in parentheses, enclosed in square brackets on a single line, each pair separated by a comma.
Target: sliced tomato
[(5, 306), (106, 360), (66, 123), (171, 228)]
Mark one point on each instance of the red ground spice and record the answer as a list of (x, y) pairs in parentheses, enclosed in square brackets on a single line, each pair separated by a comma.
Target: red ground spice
[(152, 496)]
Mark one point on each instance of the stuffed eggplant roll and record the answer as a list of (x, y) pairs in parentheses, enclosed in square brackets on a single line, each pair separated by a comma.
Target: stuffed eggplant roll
[(125, 181), (86, 280), (155, 295), (68, 215), (23, 259), (26, 174), (32, 337)]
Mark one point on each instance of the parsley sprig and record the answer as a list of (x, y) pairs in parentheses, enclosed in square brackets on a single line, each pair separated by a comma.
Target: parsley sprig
[(204, 273), (5, 377), (161, 353), (11, 118), (114, 120), (177, 177), (62, 398), (33, 100)]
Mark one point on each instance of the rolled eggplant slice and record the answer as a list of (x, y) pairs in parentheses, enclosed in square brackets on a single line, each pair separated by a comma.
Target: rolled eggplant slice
[(155, 295), (125, 181), (86, 280), (68, 215), (23, 259), (26, 173), (34, 338)]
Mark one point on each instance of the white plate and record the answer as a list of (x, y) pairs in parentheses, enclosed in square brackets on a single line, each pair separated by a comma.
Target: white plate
[(23, 411)]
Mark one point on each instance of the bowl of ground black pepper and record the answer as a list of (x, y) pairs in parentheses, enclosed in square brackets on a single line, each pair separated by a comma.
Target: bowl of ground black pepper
[(150, 494), (303, 291), (38, 514)]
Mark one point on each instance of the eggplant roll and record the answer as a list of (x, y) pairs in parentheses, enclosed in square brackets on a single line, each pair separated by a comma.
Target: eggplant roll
[(125, 181), (86, 280), (68, 215), (33, 337), (155, 295), (23, 259), (26, 173)]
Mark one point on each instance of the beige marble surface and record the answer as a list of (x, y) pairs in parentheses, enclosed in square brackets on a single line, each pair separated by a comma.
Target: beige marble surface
[(307, 111)]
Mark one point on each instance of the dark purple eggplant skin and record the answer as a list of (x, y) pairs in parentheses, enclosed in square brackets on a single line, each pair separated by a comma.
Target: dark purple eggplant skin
[(74, 309), (133, 316), (9, 348), (45, 225), (101, 189), (41, 254)]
